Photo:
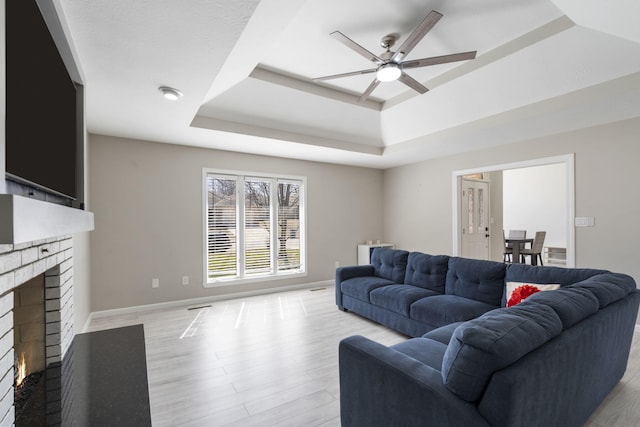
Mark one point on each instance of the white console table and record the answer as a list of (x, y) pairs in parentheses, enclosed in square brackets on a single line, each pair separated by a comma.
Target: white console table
[(364, 251)]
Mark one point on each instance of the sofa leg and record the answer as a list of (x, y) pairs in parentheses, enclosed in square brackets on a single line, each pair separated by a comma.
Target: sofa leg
[(342, 309)]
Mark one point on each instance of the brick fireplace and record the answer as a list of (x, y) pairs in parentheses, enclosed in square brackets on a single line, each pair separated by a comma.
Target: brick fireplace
[(36, 248), (49, 262)]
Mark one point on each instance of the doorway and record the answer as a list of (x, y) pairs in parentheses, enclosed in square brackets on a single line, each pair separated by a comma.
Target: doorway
[(495, 229)]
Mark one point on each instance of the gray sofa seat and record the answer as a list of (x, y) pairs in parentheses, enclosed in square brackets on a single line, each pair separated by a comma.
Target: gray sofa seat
[(399, 298), (426, 350), (361, 287), (441, 310)]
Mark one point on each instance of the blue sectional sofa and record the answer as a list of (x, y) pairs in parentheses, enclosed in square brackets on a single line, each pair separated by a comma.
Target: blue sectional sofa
[(548, 361)]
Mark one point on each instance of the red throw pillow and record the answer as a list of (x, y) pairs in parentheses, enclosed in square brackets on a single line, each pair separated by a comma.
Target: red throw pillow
[(520, 293)]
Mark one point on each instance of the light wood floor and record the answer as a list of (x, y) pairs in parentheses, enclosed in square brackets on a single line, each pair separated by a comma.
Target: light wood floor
[(272, 360)]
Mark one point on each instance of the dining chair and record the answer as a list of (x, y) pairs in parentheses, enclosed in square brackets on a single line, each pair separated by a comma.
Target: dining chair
[(536, 248), (517, 234), (507, 250)]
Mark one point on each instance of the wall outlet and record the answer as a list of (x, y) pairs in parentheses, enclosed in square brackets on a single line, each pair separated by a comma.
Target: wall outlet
[(185, 280), (337, 264), (155, 283)]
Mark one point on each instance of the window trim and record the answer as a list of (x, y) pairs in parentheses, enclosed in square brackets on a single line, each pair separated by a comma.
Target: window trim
[(254, 278)]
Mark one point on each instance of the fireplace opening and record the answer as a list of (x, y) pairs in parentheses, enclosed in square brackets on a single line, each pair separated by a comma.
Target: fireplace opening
[(29, 352)]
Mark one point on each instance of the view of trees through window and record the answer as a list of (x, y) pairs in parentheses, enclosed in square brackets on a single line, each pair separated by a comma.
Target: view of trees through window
[(253, 226)]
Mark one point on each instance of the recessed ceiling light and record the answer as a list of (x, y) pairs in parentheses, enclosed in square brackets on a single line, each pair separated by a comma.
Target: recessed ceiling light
[(170, 93)]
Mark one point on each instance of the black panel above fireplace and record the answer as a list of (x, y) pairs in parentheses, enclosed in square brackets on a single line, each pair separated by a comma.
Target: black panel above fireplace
[(44, 107)]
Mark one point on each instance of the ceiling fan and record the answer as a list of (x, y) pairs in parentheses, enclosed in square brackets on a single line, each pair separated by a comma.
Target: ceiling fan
[(390, 65)]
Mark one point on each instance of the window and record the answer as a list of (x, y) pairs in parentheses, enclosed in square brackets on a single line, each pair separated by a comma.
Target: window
[(254, 226)]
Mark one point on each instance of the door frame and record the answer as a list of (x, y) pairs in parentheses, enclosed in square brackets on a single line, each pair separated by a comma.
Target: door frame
[(567, 159)]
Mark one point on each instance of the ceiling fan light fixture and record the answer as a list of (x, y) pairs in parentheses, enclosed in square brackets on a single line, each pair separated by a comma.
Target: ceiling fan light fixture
[(170, 93), (390, 65), (388, 72)]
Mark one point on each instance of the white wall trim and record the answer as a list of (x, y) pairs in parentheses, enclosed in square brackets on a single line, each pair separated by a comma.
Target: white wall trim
[(567, 159), (198, 301)]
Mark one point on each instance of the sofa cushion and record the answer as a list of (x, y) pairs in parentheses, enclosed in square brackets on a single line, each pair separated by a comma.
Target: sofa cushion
[(443, 334), (476, 279), (546, 275), (389, 264), (440, 310), (360, 287), (570, 304), (609, 287), (493, 341), (427, 271), (518, 291), (398, 298), (535, 274), (425, 350)]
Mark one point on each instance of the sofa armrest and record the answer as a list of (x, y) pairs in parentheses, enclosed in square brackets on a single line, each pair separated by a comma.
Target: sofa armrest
[(380, 386), (345, 273)]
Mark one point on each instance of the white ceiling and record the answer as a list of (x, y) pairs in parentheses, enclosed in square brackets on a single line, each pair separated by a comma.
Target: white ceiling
[(246, 69)]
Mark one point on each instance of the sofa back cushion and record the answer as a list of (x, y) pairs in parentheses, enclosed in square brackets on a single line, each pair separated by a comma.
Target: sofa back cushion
[(608, 288), (547, 275), (476, 279), (534, 274), (493, 341), (427, 271), (570, 304), (389, 264)]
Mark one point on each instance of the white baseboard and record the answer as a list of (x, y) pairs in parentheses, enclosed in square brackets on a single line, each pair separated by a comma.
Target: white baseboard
[(197, 301)]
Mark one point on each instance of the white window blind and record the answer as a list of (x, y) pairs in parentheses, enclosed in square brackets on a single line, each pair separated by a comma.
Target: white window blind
[(221, 226), (255, 226), (288, 225)]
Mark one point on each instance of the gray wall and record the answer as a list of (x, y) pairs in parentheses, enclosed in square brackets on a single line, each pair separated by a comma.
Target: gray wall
[(418, 198), (147, 201)]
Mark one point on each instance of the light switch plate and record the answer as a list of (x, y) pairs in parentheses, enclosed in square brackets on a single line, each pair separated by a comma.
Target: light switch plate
[(585, 221)]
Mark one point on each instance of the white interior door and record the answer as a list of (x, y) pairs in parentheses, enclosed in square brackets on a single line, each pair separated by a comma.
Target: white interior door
[(474, 210)]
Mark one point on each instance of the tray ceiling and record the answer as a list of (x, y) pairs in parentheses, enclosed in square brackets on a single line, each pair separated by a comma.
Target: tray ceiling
[(246, 70)]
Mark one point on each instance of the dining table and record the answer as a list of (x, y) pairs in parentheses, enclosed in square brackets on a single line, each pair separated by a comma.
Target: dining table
[(517, 243)]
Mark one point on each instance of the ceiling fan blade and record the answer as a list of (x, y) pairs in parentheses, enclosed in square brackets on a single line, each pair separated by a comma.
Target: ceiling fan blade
[(353, 73), (434, 60), (421, 30), (374, 84), (412, 83), (356, 47)]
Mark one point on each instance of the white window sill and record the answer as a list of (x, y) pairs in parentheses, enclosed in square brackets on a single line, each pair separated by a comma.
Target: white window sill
[(213, 283)]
